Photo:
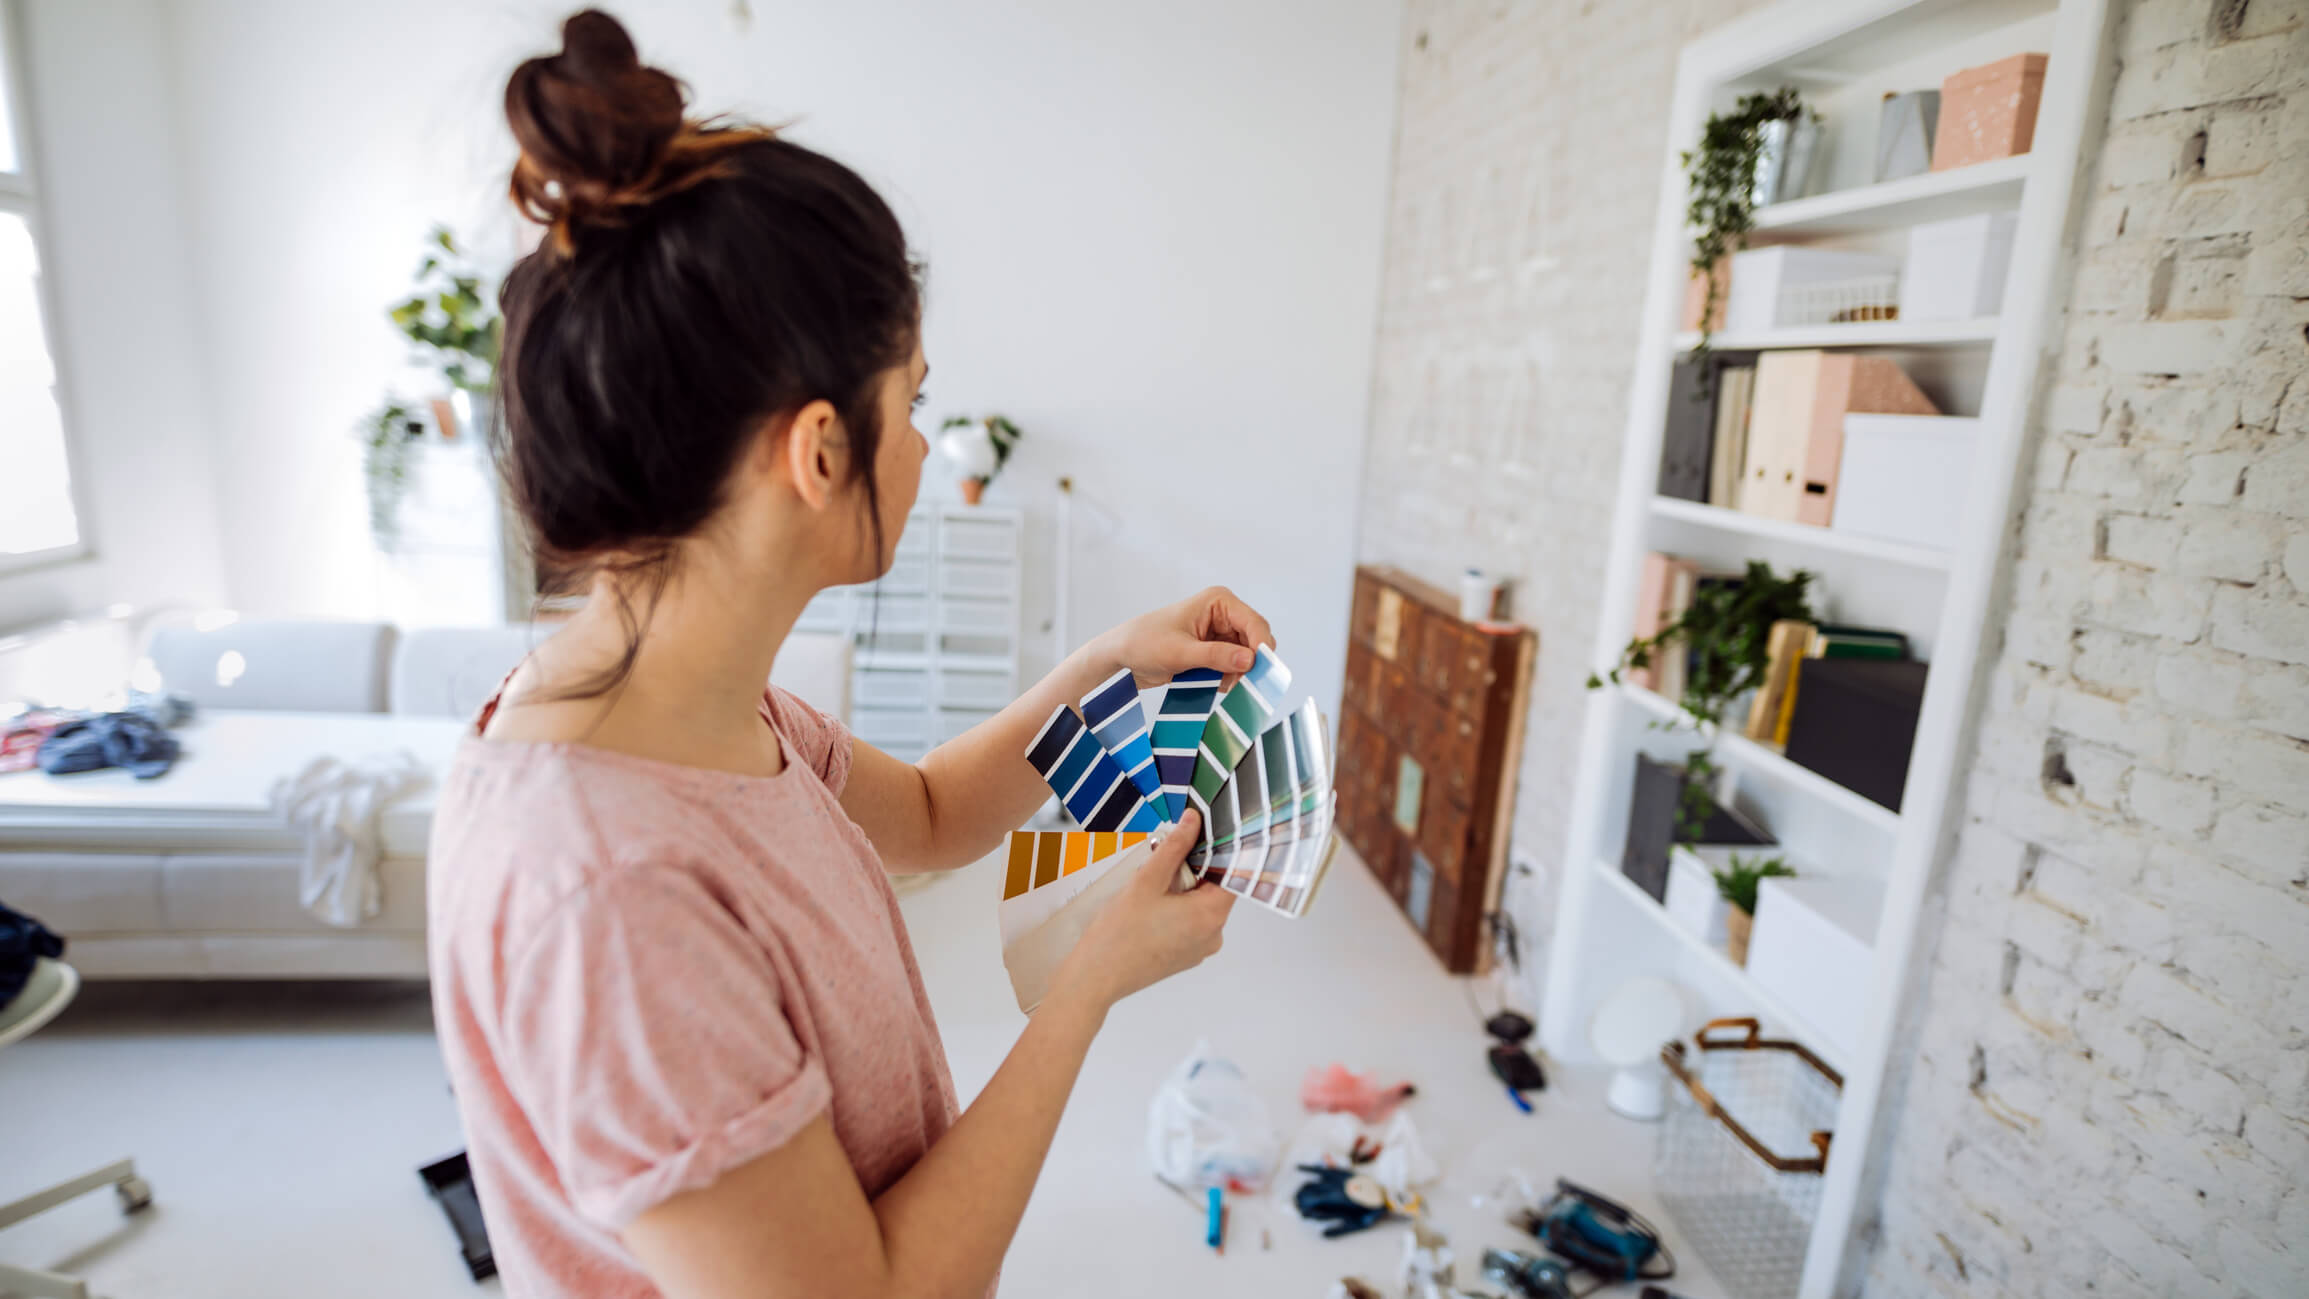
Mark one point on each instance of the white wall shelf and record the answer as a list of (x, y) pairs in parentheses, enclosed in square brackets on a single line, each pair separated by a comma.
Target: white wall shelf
[(1716, 964), (1933, 196), (937, 639), (1866, 333), (1825, 540), (1844, 55), (1772, 765)]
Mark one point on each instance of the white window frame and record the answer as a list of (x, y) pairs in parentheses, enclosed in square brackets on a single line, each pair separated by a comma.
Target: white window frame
[(20, 196)]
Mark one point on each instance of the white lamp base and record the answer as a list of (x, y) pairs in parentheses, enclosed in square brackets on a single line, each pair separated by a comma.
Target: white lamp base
[(1637, 1092)]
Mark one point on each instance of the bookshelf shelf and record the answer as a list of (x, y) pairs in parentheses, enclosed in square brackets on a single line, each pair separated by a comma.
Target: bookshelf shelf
[(1845, 55), (1774, 766), (1933, 196), (1744, 992), (1869, 333), (1825, 540)]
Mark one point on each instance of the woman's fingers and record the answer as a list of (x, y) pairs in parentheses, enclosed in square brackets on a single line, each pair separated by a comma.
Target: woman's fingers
[(1177, 841)]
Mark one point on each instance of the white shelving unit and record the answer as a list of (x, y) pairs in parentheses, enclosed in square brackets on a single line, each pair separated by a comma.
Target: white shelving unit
[(1872, 333), (1844, 55), (937, 637)]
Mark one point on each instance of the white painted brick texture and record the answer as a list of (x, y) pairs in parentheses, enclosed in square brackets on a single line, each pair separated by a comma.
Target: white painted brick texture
[(2122, 1027), (2108, 1091), (1526, 176)]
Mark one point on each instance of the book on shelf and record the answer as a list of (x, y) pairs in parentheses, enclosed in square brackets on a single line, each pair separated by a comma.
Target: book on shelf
[(1728, 450), (1663, 592), (1698, 403), (1796, 427), (1789, 642), (1836, 641)]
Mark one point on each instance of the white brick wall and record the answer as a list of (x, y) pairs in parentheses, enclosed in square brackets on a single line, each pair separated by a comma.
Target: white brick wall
[(2108, 1089), (2118, 1022), (1525, 183)]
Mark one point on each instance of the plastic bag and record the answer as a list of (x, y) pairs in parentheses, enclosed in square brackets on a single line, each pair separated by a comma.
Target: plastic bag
[(1206, 1127)]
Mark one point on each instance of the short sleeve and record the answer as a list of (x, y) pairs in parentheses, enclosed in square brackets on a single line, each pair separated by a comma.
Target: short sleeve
[(646, 1041), (820, 738)]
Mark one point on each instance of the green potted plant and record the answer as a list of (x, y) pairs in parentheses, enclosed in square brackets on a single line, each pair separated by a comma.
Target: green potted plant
[(451, 319), (978, 447), (1759, 153), (1737, 882)]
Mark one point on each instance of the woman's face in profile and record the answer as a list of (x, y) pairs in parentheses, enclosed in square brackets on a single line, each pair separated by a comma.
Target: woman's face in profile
[(898, 461)]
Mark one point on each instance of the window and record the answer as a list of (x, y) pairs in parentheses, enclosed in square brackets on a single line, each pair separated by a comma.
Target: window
[(38, 520)]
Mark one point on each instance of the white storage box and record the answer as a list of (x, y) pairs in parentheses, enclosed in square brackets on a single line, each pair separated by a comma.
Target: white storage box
[(1903, 477), (1814, 945), (1956, 267), (1693, 902), (1771, 285)]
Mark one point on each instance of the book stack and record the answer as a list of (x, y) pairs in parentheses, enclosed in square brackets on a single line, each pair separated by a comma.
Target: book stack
[(1763, 433), (1791, 644)]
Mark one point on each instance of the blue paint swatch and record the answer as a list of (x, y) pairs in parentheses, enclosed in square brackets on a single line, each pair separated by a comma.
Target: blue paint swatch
[(1118, 719), (1178, 732), (1093, 788)]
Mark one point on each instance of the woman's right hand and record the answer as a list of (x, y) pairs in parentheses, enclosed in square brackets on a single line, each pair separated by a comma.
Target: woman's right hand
[(1149, 933)]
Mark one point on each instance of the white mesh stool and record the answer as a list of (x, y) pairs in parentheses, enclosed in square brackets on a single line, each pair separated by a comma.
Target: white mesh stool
[(51, 987)]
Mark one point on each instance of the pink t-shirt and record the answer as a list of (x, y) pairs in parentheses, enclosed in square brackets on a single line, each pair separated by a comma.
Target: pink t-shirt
[(646, 975)]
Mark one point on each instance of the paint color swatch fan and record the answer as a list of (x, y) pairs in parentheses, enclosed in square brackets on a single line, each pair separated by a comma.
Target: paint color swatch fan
[(1259, 776)]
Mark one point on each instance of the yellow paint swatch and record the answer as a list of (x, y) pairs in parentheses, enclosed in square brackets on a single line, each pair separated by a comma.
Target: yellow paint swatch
[(1101, 844), (1077, 852)]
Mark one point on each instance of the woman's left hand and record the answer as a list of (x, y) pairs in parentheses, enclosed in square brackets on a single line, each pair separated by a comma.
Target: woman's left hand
[(1210, 629)]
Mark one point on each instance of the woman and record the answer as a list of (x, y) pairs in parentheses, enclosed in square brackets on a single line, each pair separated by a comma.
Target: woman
[(687, 1035)]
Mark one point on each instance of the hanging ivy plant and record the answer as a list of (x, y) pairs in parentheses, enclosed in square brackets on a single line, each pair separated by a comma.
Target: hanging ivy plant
[(389, 438), (1726, 634), (1722, 174)]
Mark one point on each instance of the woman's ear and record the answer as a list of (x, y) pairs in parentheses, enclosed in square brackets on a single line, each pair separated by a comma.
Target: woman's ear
[(816, 455)]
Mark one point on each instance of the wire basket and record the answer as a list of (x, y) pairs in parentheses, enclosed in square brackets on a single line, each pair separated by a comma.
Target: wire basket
[(1840, 301), (1740, 1160)]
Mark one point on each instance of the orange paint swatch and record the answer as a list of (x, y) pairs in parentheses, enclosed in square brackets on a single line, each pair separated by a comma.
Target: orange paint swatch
[(1020, 876)]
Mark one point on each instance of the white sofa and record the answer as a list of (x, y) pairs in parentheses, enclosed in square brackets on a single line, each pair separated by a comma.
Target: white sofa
[(191, 875)]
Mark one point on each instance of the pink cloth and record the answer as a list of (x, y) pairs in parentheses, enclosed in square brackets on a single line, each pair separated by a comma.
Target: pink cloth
[(646, 975)]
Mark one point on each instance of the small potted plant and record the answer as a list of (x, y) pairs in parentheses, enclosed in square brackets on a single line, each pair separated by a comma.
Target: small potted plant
[(1737, 882), (978, 447)]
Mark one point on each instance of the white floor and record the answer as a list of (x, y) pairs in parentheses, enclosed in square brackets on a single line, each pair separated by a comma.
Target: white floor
[(281, 1126)]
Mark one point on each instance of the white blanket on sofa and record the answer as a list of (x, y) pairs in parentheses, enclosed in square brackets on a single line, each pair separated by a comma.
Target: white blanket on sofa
[(336, 804)]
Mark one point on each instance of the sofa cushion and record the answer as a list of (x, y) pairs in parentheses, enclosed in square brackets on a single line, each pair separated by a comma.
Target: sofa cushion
[(257, 893), (77, 892), (222, 661)]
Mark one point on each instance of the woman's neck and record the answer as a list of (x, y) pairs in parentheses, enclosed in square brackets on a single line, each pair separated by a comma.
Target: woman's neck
[(706, 643)]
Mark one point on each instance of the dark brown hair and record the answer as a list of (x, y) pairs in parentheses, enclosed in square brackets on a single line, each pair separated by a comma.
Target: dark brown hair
[(697, 279)]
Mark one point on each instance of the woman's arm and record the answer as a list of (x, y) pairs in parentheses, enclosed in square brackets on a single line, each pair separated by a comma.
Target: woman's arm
[(796, 1222), (955, 806)]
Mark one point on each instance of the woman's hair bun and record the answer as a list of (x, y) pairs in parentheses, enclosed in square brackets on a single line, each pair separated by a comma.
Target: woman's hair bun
[(601, 133)]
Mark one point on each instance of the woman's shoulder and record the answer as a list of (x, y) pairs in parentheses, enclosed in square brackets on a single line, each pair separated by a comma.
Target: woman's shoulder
[(520, 829)]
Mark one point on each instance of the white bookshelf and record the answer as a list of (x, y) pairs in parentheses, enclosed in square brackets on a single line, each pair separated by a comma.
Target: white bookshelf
[(1844, 55), (937, 638), (1898, 204), (1867, 333)]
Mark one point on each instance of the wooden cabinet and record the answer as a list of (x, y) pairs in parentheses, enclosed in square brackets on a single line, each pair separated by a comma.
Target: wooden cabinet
[(1430, 733)]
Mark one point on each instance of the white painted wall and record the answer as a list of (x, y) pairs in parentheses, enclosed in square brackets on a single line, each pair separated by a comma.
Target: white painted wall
[(135, 394), (1153, 233)]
